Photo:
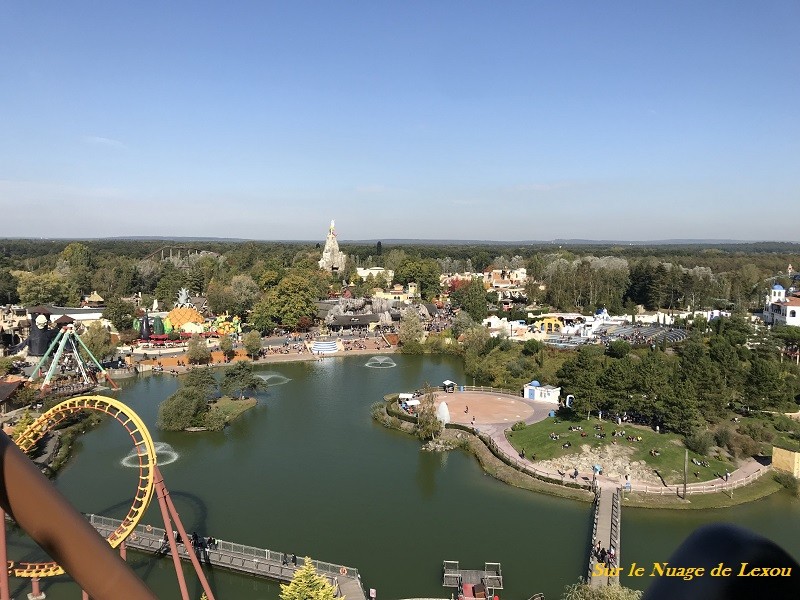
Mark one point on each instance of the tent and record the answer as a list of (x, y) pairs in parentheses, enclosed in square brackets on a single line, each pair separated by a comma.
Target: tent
[(406, 396), (449, 386), (413, 402)]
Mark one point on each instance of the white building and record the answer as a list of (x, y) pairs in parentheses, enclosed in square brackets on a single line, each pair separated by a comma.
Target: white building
[(780, 309), (385, 274), (546, 393)]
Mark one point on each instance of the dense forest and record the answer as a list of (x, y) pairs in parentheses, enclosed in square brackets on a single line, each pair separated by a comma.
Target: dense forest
[(234, 274)]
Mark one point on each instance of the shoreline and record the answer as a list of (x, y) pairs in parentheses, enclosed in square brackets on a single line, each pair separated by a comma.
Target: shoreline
[(510, 474), (170, 363)]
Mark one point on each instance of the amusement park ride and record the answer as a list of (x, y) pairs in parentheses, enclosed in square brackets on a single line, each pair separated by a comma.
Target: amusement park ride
[(32, 501), (50, 520)]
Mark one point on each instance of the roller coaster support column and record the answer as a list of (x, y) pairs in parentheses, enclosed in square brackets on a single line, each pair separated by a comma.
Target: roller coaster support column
[(26, 495), (163, 496), (4, 592), (173, 546), (36, 593), (123, 551)]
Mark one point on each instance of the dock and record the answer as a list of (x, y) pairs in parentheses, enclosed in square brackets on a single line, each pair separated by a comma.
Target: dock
[(489, 580), (607, 518), (258, 562)]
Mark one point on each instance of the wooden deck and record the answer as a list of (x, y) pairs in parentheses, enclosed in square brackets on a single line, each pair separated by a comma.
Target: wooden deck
[(258, 562), (607, 519)]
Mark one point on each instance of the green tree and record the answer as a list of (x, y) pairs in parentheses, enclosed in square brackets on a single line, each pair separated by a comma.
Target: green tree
[(197, 350), (8, 287), (764, 386), (98, 340), (428, 424), (616, 384), (6, 364), (47, 288), (462, 323), (410, 330), (214, 419), (471, 298), (293, 298), (578, 376), (307, 584), (182, 409), (618, 349), (226, 346), (424, 272), (202, 380), (252, 343), (243, 292), (120, 313), (238, 379), (77, 255), (170, 281)]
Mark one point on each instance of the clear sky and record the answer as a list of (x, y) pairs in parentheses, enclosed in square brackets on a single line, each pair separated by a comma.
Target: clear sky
[(459, 119)]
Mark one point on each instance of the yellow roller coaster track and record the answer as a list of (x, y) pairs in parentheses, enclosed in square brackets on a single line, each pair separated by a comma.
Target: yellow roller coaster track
[(145, 450)]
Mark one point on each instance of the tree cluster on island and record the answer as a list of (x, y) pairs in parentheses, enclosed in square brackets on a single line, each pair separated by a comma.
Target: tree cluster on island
[(193, 404)]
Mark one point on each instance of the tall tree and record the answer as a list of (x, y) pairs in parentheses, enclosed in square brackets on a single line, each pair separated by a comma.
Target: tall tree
[(293, 298), (428, 424), (252, 343), (471, 298), (238, 379), (98, 340), (197, 350), (46, 288)]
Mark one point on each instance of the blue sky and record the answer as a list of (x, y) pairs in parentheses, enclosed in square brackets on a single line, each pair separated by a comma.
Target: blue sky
[(437, 119)]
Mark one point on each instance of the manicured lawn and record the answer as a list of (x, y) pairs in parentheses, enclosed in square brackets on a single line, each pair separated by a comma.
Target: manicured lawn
[(535, 439), (232, 408)]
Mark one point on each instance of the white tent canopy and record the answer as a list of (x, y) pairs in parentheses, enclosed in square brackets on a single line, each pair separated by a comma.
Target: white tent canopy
[(406, 396), (414, 402), (448, 382)]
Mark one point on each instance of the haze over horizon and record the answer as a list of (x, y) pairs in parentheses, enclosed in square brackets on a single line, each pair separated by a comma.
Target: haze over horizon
[(509, 122)]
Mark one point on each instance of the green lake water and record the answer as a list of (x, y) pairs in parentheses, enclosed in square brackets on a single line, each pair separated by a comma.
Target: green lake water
[(308, 472)]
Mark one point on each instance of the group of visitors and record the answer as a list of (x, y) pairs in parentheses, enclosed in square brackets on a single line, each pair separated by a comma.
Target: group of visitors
[(607, 557)]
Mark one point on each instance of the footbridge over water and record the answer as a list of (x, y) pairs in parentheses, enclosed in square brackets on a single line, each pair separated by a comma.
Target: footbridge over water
[(258, 562), (606, 521)]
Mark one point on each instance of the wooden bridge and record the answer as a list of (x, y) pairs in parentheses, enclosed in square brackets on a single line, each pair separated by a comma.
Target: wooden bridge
[(257, 562), (606, 521)]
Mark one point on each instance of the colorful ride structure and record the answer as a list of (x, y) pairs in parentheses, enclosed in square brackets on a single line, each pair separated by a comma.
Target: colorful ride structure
[(65, 356), (31, 500)]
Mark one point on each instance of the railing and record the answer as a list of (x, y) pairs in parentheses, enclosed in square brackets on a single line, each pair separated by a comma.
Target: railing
[(595, 519), (616, 522), (699, 488), (151, 537), (489, 390)]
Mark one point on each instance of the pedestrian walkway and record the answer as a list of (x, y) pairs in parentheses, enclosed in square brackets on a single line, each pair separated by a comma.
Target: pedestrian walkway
[(258, 562), (489, 428), (606, 527)]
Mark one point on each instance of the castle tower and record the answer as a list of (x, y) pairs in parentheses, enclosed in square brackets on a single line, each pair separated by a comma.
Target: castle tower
[(333, 259)]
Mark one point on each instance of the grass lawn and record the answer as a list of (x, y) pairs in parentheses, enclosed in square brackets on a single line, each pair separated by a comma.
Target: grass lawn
[(535, 439), (232, 408)]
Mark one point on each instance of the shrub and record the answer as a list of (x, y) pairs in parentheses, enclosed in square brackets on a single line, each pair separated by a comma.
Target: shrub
[(699, 442), (723, 436), (758, 431), (531, 347), (412, 347), (789, 481), (618, 349), (518, 426)]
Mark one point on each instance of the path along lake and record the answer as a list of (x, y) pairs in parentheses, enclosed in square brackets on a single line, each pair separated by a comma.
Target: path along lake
[(307, 471)]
